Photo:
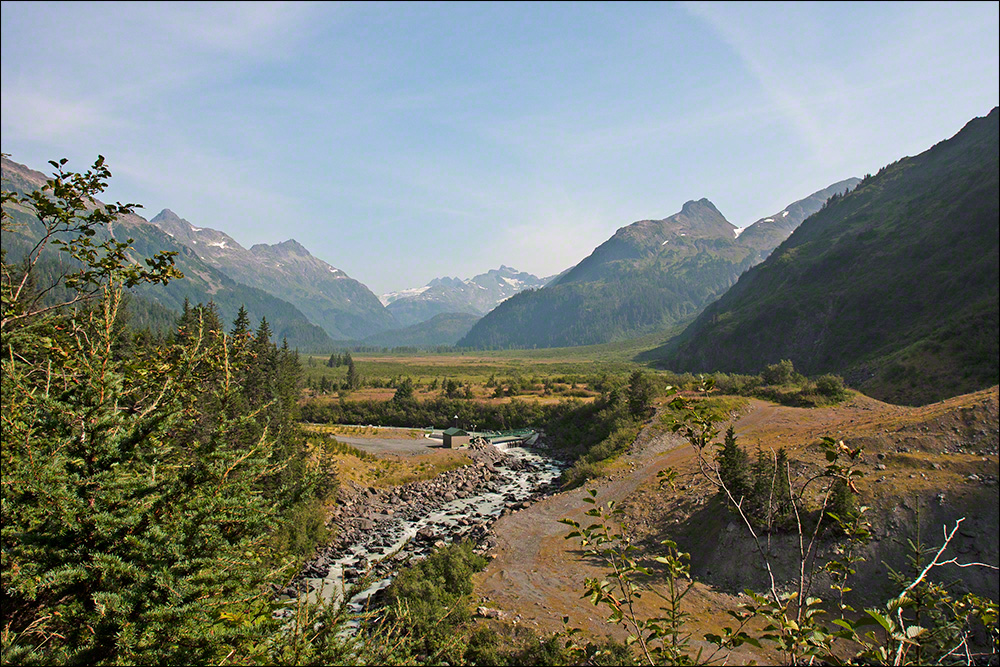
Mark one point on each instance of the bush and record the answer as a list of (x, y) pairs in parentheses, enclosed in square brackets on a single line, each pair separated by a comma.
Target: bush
[(830, 385), (616, 443), (428, 599), (546, 652), (483, 647), (303, 528), (779, 373), (580, 472), (737, 384)]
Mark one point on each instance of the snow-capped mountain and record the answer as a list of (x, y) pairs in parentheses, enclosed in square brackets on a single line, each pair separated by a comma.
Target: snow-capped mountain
[(475, 296), (342, 306)]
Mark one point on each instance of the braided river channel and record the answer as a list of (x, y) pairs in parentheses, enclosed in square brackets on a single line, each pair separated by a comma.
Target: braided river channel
[(379, 530)]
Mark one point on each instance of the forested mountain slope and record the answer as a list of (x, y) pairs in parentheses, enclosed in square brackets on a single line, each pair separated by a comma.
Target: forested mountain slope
[(201, 283), (893, 285), (443, 329), (650, 275)]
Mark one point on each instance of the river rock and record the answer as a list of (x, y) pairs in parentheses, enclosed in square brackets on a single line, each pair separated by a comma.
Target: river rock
[(371, 522), (488, 612)]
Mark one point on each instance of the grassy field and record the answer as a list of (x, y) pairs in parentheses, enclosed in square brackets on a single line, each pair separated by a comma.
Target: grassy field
[(477, 366)]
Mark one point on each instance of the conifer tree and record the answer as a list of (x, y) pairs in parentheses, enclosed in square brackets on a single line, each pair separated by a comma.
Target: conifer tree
[(136, 513), (640, 394), (353, 379), (404, 390), (241, 325), (263, 336), (734, 466)]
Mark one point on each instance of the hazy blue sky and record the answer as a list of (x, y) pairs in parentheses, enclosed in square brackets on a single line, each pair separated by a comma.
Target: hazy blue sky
[(400, 142)]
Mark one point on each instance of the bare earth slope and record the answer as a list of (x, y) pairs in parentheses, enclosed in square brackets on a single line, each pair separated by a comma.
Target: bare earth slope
[(941, 456)]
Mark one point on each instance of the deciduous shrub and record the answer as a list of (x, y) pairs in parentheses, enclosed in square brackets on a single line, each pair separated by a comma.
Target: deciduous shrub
[(830, 385), (779, 373), (430, 598)]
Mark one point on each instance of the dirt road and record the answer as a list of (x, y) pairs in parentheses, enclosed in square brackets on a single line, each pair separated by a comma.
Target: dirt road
[(401, 446), (538, 572)]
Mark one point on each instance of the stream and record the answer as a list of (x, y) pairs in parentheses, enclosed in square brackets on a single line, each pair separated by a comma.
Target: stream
[(381, 529)]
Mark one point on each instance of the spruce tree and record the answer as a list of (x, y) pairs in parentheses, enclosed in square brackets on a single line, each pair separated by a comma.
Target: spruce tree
[(241, 325), (404, 390), (353, 379), (640, 394), (734, 467), (136, 517)]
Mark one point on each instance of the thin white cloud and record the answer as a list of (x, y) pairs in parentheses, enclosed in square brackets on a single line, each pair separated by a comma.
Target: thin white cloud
[(260, 29), (39, 116), (792, 84), (211, 189)]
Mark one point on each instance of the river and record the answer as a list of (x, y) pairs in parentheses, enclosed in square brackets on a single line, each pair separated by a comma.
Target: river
[(382, 529)]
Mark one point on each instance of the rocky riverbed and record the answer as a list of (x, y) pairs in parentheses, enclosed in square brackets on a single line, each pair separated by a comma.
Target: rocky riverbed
[(378, 530)]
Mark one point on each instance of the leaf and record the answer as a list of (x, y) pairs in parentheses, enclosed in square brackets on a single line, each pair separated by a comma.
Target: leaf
[(881, 619)]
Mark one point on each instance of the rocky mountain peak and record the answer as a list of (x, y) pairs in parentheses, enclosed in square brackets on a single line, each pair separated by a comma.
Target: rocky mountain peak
[(166, 215), (699, 206), (285, 248), (176, 226), (477, 295)]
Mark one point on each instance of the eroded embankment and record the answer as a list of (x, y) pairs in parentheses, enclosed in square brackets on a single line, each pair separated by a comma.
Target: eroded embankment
[(945, 454)]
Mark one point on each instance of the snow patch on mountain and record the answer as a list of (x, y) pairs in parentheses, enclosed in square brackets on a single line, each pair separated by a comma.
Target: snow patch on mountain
[(477, 295), (388, 298)]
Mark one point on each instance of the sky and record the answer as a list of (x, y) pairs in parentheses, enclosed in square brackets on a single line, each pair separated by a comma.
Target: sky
[(401, 142)]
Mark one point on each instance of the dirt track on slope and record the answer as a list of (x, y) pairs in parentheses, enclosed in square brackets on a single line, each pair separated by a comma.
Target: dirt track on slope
[(537, 576), (539, 573)]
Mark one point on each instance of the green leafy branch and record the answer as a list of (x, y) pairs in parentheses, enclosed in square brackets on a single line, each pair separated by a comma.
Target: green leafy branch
[(70, 216)]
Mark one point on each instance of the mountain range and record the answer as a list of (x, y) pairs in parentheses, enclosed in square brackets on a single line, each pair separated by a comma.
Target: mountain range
[(306, 300), (475, 296), (342, 306), (203, 283), (649, 276), (894, 285)]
